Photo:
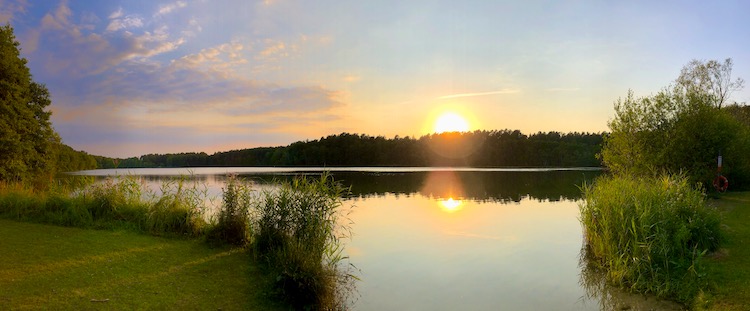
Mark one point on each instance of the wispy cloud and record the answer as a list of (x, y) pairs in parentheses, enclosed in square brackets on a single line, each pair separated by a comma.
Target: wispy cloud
[(194, 28), (116, 14), (166, 9), (274, 50), (129, 82), (503, 91), (223, 58), (76, 51), (9, 9), (127, 22)]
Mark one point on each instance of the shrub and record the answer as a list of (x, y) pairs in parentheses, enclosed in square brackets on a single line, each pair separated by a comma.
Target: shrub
[(178, 210), (650, 234), (120, 202), (297, 232), (20, 202), (682, 129), (232, 225), (109, 198)]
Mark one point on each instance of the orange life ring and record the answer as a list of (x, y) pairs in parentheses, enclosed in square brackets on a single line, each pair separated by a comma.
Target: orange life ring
[(721, 183)]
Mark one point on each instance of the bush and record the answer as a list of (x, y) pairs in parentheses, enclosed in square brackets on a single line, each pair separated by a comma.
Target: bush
[(233, 224), (298, 231), (118, 202), (650, 234), (178, 210), (112, 198), (683, 129)]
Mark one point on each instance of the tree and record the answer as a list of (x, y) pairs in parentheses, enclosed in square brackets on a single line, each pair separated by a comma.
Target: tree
[(711, 78), (677, 130), (27, 140)]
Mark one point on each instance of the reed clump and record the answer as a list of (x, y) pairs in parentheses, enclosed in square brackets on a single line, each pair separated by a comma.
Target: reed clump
[(232, 224), (298, 229), (650, 234), (119, 202), (179, 209)]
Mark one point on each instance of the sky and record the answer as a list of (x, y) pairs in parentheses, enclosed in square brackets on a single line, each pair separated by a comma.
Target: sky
[(134, 77)]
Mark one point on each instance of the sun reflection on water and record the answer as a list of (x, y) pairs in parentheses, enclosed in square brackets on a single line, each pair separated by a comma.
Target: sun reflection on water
[(450, 205)]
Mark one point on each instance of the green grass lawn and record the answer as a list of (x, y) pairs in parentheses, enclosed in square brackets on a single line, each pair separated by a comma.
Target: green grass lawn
[(730, 268), (50, 267)]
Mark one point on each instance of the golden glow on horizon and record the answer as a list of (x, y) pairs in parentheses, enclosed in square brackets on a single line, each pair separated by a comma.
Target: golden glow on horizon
[(450, 122), (450, 205)]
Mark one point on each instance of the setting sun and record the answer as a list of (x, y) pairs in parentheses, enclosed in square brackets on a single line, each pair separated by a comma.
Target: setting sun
[(450, 122)]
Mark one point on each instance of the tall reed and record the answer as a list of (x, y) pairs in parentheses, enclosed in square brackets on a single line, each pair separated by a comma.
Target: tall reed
[(179, 209), (650, 234), (232, 224), (298, 232), (116, 202)]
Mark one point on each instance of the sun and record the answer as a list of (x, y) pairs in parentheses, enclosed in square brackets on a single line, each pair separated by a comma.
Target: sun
[(450, 122)]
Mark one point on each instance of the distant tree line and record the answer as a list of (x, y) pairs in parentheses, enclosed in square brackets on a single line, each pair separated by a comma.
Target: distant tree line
[(504, 148)]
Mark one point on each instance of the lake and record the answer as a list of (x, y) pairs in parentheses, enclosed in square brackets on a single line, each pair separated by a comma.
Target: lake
[(454, 238)]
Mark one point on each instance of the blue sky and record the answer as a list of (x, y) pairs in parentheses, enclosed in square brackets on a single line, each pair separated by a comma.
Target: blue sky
[(135, 77)]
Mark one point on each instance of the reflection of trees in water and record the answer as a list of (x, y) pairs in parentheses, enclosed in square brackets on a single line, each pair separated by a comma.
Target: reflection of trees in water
[(471, 185), (490, 186), (479, 186), (608, 297)]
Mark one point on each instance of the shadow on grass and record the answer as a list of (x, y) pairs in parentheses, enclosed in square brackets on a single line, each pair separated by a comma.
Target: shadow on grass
[(72, 269)]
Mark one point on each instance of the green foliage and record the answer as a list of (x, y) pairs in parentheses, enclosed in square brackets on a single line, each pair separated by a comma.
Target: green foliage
[(179, 209), (233, 223), (70, 160), (30, 150), (677, 130), (737, 166), (297, 231), (113, 203), (650, 234), (115, 199), (740, 112), (27, 139)]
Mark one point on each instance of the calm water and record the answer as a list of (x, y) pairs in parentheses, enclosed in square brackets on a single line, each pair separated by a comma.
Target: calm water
[(455, 239)]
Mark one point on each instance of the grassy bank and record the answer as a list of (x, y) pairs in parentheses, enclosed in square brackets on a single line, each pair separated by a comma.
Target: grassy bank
[(293, 230), (45, 266), (730, 267)]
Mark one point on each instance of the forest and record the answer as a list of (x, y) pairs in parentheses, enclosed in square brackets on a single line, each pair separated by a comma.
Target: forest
[(500, 148)]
